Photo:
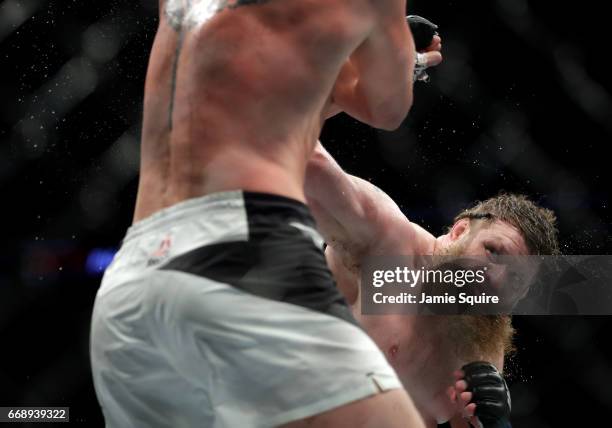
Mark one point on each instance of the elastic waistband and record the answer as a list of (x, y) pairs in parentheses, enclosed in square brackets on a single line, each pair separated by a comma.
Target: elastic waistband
[(256, 205)]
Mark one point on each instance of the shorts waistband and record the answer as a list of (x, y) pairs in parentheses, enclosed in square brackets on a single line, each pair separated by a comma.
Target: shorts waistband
[(256, 204)]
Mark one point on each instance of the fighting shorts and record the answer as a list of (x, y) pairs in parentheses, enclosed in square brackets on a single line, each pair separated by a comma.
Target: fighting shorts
[(220, 311)]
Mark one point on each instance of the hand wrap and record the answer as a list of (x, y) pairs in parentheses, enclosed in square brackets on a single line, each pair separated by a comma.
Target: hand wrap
[(423, 32)]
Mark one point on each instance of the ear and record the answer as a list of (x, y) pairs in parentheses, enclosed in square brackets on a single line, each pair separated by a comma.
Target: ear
[(460, 228)]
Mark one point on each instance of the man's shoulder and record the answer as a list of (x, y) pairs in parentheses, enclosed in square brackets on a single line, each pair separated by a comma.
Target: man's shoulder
[(403, 237), (424, 240)]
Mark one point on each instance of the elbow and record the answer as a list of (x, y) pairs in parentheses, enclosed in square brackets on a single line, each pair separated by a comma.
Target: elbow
[(389, 116), (389, 122)]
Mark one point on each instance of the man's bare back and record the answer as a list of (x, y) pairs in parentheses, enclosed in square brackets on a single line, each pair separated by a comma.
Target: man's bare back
[(235, 92), (232, 267)]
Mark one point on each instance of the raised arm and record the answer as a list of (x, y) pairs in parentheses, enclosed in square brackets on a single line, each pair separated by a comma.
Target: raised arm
[(375, 87), (350, 212), (371, 86), (356, 219)]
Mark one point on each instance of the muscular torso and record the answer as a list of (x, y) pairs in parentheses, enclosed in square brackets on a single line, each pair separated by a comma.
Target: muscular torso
[(235, 93)]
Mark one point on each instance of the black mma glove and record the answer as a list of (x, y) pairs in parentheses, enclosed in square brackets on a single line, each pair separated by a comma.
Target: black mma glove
[(490, 393), (423, 32)]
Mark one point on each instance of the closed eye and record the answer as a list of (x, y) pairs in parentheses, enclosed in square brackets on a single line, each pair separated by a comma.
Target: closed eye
[(492, 253)]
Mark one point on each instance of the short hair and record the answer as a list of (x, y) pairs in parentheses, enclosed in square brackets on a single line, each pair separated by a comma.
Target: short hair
[(538, 225)]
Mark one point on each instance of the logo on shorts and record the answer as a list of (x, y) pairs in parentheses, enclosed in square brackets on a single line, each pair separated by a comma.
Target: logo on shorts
[(161, 253)]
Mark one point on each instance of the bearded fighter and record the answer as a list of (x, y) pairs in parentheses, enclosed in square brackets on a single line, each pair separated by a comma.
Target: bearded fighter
[(219, 309), (358, 220)]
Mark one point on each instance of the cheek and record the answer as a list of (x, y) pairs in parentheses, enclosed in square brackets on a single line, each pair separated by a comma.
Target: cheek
[(496, 275)]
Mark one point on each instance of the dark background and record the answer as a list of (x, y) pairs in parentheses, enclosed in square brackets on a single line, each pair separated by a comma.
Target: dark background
[(522, 103)]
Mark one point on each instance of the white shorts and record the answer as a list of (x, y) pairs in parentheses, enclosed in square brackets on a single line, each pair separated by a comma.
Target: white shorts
[(221, 312)]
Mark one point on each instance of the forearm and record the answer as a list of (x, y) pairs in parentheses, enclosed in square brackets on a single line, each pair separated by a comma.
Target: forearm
[(351, 212), (332, 197), (355, 218), (379, 94), (375, 84)]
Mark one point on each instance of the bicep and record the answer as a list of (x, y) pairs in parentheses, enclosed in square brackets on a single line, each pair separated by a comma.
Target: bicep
[(349, 211)]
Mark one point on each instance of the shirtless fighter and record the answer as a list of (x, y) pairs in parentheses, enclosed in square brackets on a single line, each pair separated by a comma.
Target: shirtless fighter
[(358, 220), (219, 309)]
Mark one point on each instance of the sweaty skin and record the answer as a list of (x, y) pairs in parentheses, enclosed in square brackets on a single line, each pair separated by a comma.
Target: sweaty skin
[(359, 220), (235, 97), (236, 91)]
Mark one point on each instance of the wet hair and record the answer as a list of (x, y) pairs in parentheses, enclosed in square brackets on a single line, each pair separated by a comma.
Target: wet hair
[(538, 225)]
